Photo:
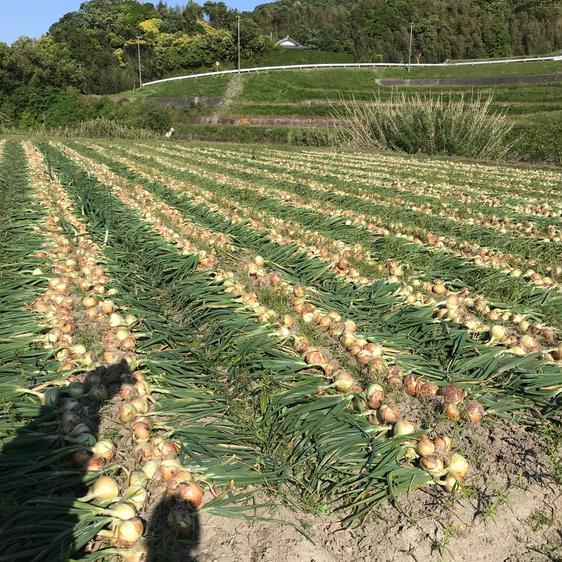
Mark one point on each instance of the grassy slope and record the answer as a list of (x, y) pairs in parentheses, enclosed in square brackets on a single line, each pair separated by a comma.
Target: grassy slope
[(332, 79), (208, 86)]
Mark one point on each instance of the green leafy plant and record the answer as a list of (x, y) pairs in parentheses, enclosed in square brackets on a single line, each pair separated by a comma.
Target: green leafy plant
[(425, 124)]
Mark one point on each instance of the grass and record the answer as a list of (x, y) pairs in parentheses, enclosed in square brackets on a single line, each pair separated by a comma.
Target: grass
[(493, 500), (294, 85), (475, 71), (541, 519), (441, 544), (465, 127), (208, 86), (302, 136)]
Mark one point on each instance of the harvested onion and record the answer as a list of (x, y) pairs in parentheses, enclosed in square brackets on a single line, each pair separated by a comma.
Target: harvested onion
[(130, 531), (404, 427), (104, 449), (458, 466), (191, 493), (104, 488)]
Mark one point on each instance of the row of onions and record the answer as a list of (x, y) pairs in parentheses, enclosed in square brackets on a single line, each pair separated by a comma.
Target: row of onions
[(356, 218), (75, 302), (176, 194), (165, 220), (522, 337), (481, 182), (435, 455), (366, 354), (414, 199), (482, 256)]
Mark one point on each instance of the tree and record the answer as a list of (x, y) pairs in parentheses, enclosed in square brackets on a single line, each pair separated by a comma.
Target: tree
[(218, 14)]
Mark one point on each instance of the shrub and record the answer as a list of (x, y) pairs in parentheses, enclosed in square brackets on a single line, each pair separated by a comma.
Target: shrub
[(539, 138), (425, 124), (104, 128)]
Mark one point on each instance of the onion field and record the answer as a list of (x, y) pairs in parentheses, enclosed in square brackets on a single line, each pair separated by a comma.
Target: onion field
[(192, 331)]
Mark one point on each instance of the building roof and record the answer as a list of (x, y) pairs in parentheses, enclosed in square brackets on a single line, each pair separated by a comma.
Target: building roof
[(289, 43)]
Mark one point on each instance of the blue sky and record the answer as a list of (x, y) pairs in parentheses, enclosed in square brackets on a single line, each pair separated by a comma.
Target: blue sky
[(34, 17)]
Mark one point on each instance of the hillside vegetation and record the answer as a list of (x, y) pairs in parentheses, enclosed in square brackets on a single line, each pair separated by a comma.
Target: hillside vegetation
[(94, 49)]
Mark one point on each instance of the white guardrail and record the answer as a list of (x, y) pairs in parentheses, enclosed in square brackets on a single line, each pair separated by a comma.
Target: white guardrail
[(353, 65)]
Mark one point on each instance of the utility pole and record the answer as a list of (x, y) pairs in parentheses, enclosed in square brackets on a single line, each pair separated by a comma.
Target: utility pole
[(238, 17), (410, 49), (139, 58)]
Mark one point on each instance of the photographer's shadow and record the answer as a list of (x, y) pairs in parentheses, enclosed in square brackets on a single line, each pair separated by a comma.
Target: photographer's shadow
[(173, 533)]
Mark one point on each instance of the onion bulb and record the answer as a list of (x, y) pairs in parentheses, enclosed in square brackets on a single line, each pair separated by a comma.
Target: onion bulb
[(450, 483), (404, 427), (79, 458), (130, 531), (169, 449), (442, 445), (140, 430), (343, 381), (191, 493), (474, 410), (140, 404), (123, 511), (387, 414), (95, 464), (299, 290), (411, 384), (136, 495), (104, 449), (168, 468), (301, 345), (427, 390), (375, 392), (89, 302), (127, 412), (458, 466), (497, 332), (452, 412), (315, 357), (138, 478), (107, 306), (150, 468), (425, 448), (348, 340), (115, 320), (452, 394), (432, 464), (104, 488)]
